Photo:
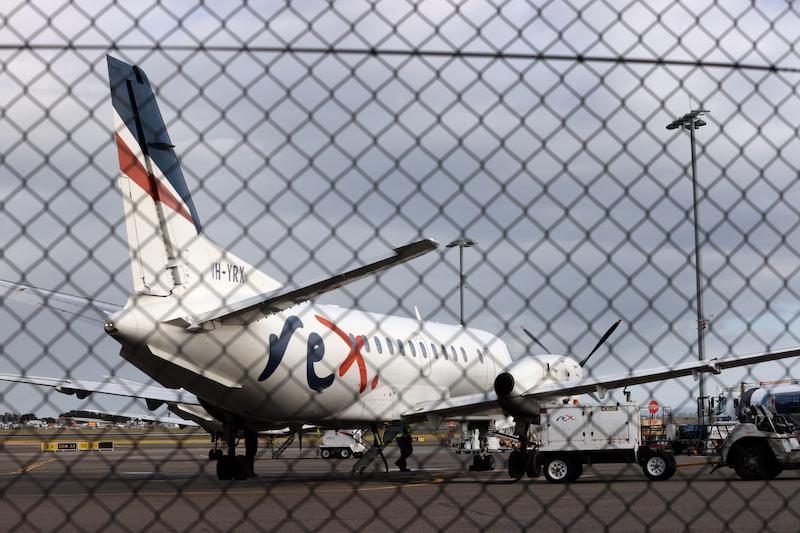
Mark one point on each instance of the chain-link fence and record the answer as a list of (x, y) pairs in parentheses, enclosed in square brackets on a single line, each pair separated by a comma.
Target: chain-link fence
[(307, 139)]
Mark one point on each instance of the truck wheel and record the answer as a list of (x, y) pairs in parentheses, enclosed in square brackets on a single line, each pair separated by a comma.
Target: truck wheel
[(516, 464), (659, 467), (577, 471), (752, 463), (325, 453), (489, 462), (558, 469), (344, 453)]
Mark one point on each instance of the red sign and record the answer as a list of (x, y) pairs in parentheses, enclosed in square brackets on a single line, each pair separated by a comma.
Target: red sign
[(653, 407)]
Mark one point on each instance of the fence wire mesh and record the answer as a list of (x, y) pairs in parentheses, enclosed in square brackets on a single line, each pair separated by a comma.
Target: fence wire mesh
[(309, 139)]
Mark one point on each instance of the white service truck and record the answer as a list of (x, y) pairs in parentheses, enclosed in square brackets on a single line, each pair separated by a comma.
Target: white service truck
[(571, 436), (341, 443)]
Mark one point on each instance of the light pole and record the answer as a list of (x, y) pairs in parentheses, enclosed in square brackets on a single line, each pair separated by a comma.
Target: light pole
[(462, 243), (692, 121)]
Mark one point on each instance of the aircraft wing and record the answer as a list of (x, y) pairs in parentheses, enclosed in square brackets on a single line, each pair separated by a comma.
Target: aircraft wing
[(462, 405), (87, 308), (111, 386), (600, 385), (114, 417), (256, 307)]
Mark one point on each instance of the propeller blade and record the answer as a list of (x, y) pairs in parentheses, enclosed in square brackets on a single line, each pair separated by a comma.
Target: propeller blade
[(603, 339), (534, 339)]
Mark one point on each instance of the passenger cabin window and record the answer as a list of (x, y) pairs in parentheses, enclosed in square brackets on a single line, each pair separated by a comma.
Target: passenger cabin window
[(400, 347), (455, 355), (352, 341), (366, 342), (389, 346), (463, 354), (377, 342), (411, 347), (434, 351), (480, 355), (444, 351), (423, 350)]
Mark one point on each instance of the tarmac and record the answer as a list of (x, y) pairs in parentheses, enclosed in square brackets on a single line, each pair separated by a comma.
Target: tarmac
[(160, 487)]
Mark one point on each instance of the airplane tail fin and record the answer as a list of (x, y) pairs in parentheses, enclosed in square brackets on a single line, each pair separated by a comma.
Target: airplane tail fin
[(167, 247)]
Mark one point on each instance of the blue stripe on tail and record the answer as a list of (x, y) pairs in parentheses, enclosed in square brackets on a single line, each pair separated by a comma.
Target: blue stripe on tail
[(132, 98)]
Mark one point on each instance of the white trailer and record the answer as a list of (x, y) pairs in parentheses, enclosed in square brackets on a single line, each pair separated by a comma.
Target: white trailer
[(341, 443), (571, 436)]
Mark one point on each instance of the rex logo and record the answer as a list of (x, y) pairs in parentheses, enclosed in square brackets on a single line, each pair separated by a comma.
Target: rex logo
[(315, 352)]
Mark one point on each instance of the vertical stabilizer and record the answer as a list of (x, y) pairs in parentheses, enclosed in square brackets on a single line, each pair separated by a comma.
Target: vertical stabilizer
[(168, 250)]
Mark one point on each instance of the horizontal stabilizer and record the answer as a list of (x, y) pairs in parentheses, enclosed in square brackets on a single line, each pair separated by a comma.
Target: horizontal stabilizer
[(112, 386), (87, 308), (252, 309)]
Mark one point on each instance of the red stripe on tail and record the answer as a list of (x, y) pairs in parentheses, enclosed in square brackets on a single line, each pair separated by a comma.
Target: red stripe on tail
[(131, 167)]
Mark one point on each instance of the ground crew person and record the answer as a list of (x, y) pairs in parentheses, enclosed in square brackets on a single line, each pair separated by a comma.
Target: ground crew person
[(406, 448)]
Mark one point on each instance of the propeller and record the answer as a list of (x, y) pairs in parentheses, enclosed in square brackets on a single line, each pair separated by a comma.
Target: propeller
[(534, 339), (603, 339)]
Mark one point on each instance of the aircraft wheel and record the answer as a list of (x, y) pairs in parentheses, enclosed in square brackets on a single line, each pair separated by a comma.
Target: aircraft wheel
[(240, 468), (325, 453), (218, 454), (212, 454), (516, 464), (489, 462), (225, 468), (533, 468), (477, 464), (344, 453)]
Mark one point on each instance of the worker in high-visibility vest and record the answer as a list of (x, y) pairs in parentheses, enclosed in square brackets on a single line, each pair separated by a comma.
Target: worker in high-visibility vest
[(404, 442)]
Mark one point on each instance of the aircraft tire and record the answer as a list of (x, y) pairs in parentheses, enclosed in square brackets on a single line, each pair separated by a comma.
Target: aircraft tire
[(533, 468), (516, 464), (224, 468), (218, 454), (239, 468), (212, 454), (489, 462)]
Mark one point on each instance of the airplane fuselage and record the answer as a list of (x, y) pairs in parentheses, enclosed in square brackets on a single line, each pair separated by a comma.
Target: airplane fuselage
[(315, 362)]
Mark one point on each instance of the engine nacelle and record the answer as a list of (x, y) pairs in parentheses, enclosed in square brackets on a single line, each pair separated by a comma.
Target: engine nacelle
[(524, 374)]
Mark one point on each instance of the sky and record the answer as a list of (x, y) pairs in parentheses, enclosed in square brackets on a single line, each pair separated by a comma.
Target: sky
[(562, 171)]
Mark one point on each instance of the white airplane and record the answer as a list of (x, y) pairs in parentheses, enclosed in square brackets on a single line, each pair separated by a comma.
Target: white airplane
[(229, 343)]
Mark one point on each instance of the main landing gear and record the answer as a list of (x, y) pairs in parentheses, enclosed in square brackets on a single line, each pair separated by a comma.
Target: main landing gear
[(523, 461), (232, 466)]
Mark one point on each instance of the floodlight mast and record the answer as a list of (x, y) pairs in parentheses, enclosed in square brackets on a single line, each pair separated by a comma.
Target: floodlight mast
[(692, 121), (462, 243)]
